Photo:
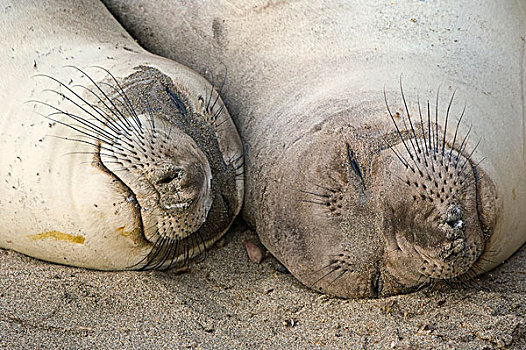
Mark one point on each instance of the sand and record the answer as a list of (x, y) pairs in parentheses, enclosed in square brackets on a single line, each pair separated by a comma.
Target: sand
[(230, 302)]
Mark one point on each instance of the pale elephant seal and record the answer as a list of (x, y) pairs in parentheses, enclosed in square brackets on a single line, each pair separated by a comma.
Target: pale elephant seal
[(351, 204), (133, 162)]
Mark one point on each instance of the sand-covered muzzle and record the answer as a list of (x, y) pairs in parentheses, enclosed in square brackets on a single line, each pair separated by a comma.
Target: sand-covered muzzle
[(170, 180)]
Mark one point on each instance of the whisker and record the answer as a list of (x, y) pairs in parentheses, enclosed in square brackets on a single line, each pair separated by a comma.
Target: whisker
[(115, 110), (218, 92)]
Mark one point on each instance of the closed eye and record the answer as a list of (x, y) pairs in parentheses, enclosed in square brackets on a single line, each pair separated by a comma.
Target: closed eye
[(353, 163)]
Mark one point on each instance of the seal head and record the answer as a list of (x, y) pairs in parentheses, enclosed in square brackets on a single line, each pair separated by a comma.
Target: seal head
[(389, 206), (172, 152)]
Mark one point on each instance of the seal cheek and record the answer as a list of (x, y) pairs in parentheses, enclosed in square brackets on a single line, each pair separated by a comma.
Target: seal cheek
[(319, 215), (401, 260)]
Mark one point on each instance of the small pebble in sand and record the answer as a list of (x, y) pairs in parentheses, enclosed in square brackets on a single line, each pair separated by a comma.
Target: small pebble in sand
[(253, 252), (289, 323)]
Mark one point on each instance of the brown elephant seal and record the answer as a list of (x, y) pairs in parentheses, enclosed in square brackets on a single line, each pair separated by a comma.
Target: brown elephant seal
[(352, 204), (133, 163)]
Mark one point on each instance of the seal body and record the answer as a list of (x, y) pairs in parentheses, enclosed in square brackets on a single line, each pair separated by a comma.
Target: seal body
[(359, 185), (112, 158)]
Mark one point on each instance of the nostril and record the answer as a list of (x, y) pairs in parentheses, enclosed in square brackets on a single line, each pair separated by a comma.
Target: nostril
[(170, 175), (453, 216), (455, 223), (166, 179), (451, 223)]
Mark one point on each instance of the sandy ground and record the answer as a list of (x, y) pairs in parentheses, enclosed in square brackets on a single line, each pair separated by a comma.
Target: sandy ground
[(229, 302)]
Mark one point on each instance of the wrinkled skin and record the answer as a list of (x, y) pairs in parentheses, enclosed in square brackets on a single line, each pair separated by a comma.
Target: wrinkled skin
[(331, 182)]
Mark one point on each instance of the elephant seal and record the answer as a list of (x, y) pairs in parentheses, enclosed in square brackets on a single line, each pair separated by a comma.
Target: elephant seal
[(361, 190), (133, 162)]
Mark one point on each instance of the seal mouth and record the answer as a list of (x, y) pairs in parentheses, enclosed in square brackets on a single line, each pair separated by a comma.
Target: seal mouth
[(182, 205)]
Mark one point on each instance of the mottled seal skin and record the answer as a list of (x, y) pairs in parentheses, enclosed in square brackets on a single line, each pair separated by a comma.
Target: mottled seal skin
[(351, 204), (112, 158)]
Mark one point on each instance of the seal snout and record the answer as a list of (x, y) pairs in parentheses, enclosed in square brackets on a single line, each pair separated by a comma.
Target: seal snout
[(452, 227), (179, 186), (171, 180), (433, 213)]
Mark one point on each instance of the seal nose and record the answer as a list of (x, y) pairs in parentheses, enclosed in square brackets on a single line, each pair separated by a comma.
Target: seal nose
[(451, 222), (172, 174), (179, 186)]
